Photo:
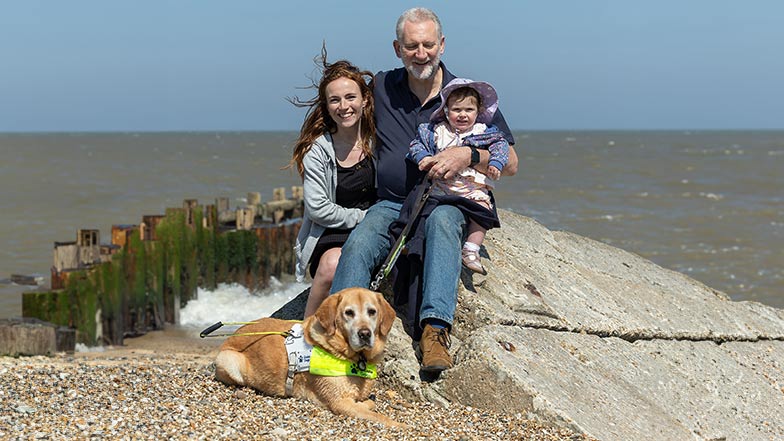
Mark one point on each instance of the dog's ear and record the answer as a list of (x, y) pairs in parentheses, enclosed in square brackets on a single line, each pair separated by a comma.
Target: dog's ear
[(386, 316), (327, 313)]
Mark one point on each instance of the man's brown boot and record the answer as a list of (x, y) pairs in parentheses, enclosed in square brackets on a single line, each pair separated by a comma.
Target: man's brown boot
[(434, 345)]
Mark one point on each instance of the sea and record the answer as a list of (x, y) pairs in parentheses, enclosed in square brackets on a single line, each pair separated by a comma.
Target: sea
[(709, 204)]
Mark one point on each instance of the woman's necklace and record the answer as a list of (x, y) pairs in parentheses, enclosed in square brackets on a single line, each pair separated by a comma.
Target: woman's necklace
[(343, 148), (347, 153)]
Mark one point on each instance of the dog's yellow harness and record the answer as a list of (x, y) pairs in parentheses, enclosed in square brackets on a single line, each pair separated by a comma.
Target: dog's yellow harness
[(306, 358), (327, 365)]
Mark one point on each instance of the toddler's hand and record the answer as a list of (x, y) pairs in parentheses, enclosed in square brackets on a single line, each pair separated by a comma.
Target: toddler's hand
[(426, 163), (493, 172)]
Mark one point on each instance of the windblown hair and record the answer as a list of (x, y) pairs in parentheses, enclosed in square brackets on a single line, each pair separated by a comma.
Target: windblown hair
[(417, 15), (318, 122)]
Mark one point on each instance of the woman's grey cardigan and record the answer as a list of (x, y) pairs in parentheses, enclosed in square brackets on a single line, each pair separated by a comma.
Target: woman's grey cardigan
[(321, 211)]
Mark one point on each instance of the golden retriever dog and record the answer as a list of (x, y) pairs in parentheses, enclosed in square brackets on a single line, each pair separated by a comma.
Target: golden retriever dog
[(352, 324)]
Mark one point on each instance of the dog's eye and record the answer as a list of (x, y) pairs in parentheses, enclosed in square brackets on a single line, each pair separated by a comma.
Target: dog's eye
[(371, 312), (349, 313)]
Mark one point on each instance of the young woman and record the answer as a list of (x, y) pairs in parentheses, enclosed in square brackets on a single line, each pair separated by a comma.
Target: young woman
[(333, 155)]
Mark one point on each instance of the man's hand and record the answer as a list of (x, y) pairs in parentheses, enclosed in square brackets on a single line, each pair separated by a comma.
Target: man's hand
[(448, 162), (426, 163)]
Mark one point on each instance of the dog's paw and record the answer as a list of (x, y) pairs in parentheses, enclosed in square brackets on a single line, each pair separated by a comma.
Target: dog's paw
[(369, 404)]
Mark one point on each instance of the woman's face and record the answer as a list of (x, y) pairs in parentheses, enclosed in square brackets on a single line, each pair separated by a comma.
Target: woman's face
[(344, 102)]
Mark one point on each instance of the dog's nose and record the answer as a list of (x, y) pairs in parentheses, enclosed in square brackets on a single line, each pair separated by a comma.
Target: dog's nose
[(364, 335)]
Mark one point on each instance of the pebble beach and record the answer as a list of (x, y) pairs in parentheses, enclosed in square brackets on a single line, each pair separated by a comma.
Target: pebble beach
[(161, 386)]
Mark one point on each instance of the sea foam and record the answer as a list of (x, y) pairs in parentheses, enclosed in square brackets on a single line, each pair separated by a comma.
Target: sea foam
[(234, 303)]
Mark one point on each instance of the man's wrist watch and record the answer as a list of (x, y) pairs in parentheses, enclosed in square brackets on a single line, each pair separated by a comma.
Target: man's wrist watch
[(474, 156)]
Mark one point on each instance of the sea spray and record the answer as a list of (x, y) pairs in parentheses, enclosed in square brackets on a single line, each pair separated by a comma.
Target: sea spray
[(234, 303)]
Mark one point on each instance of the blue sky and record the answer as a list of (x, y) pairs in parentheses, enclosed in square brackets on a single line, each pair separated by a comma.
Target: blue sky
[(209, 65)]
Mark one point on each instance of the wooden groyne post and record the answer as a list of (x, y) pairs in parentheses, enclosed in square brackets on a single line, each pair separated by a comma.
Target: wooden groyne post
[(140, 281)]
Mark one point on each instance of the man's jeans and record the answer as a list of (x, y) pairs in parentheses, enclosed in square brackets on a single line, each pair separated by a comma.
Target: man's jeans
[(369, 244)]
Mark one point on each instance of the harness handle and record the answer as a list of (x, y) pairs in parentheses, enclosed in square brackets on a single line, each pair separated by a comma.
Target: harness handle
[(210, 329), (422, 194)]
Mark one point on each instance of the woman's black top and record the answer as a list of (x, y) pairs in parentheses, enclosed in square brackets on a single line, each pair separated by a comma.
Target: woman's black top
[(356, 188)]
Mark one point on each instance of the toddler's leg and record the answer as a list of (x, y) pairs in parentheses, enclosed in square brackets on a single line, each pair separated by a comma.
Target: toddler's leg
[(476, 234), (471, 259)]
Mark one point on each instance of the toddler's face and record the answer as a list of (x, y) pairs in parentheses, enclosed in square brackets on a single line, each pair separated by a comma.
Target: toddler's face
[(461, 113)]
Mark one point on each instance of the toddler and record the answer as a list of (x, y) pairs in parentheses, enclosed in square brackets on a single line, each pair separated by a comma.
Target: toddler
[(463, 119)]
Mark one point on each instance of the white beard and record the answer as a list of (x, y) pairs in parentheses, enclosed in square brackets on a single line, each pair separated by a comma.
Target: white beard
[(425, 72)]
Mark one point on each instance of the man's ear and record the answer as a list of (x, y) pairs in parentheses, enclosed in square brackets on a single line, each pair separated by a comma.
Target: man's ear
[(326, 313), (396, 46)]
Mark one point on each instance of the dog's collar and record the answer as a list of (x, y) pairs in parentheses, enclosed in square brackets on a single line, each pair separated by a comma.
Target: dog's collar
[(327, 365)]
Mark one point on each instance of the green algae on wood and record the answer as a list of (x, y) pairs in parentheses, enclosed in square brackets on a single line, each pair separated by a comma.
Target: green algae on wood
[(146, 282)]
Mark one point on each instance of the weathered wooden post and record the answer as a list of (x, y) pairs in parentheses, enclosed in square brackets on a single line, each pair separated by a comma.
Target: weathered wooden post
[(66, 256), (245, 218), (121, 233), (107, 251), (254, 208), (189, 205), (279, 194), (254, 198), (222, 204), (88, 242), (297, 192), (210, 217), (149, 225)]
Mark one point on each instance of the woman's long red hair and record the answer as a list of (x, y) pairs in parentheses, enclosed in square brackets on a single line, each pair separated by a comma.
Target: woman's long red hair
[(317, 121)]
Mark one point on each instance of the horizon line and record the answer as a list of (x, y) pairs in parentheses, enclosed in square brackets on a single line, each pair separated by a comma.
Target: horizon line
[(197, 131)]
